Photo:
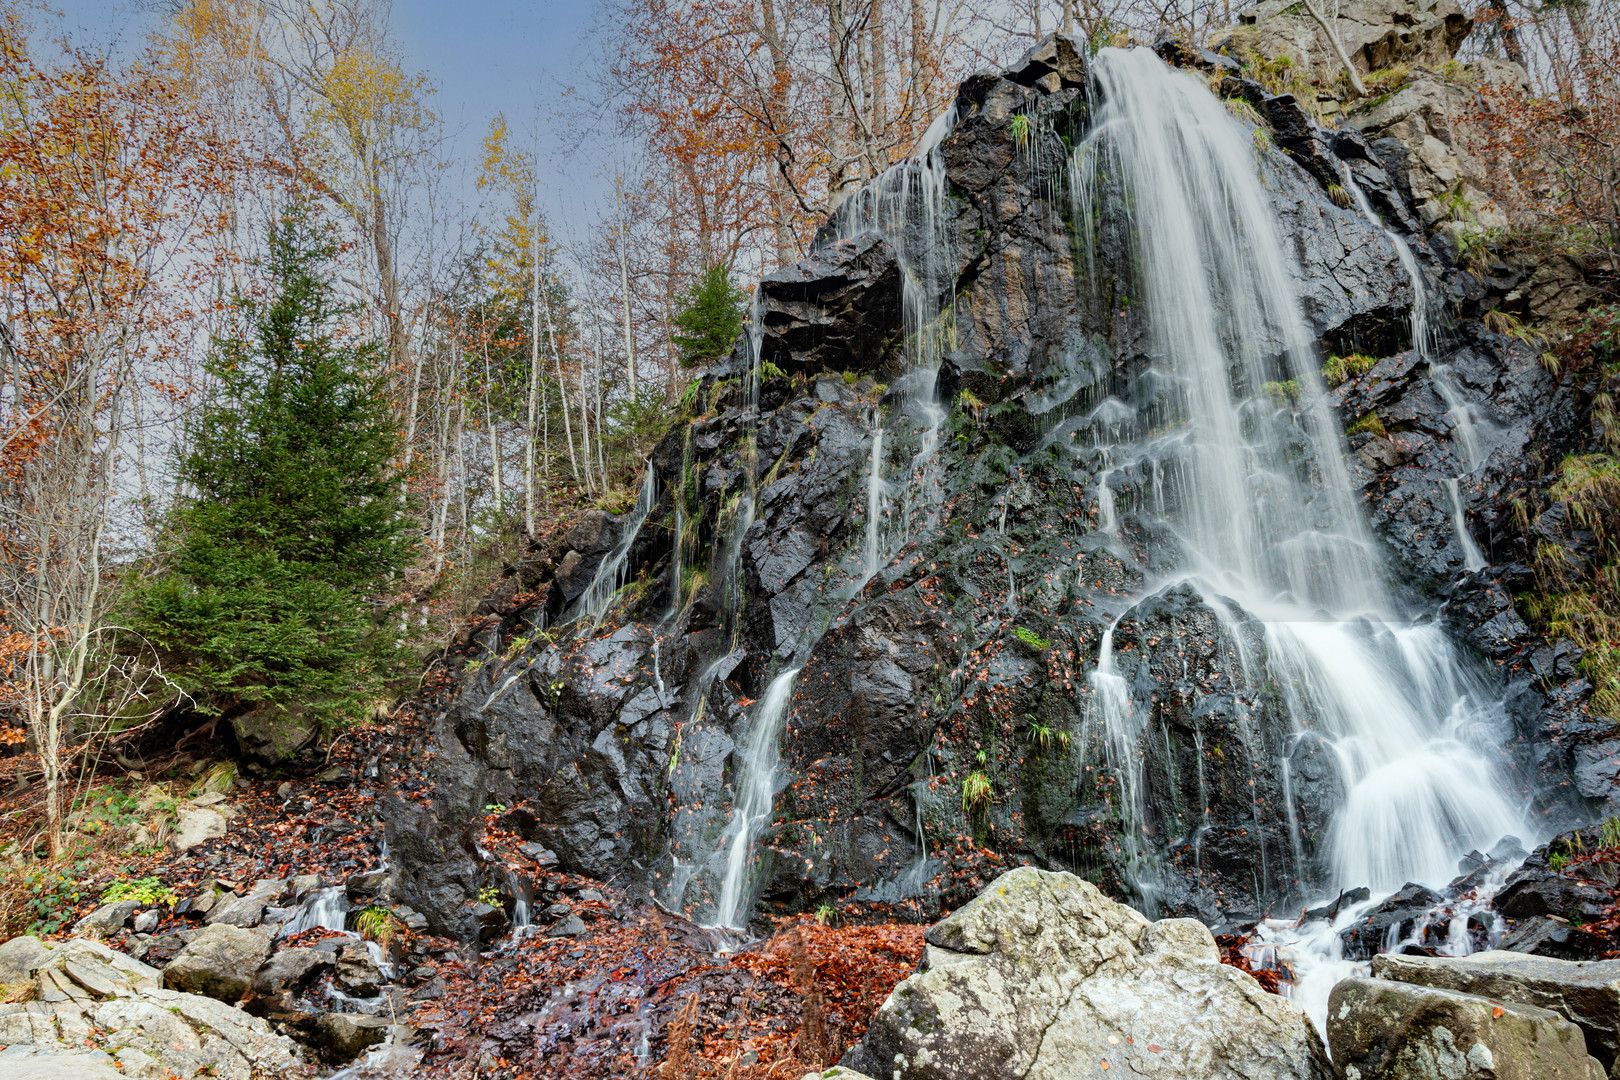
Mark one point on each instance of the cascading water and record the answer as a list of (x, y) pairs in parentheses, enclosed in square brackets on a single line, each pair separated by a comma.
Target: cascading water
[(611, 575), (1256, 493), (1423, 342), (908, 205), (754, 799), (871, 563)]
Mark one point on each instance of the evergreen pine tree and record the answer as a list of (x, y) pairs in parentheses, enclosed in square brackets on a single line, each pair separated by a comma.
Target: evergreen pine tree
[(710, 318), (297, 519)]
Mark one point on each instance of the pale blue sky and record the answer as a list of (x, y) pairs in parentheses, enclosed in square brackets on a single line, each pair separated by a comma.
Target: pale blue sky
[(485, 56)]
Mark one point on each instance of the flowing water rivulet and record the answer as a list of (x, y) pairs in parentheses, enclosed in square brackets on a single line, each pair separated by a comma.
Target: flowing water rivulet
[(1021, 526)]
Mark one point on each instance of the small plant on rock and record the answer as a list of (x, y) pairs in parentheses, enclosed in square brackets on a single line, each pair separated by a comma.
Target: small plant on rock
[(1369, 424), (976, 791), (1019, 126), (146, 890), (375, 924), (1031, 638), (1610, 836)]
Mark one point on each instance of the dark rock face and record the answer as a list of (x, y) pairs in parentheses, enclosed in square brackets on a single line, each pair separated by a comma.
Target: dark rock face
[(838, 309), (944, 718)]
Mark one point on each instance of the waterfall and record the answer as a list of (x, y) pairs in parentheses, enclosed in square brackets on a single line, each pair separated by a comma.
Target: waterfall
[(678, 552), (1423, 342), (909, 205), (1121, 724), (611, 576), (755, 796), (1256, 496)]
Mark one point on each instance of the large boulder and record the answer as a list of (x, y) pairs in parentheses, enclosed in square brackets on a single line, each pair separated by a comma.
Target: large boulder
[(220, 962), (1042, 976), (1375, 33), (21, 957), (1587, 994), (270, 734), (1382, 1030), (837, 309), (97, 1011)]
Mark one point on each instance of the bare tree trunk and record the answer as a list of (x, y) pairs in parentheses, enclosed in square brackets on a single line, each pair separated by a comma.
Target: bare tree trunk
[(624, 293), (562, 384), (497, 472), (1338, 47), (839, 155), (1581, 30), (922, 69), (781, 84), (1510, 33), (1068, 16), (879, 30)]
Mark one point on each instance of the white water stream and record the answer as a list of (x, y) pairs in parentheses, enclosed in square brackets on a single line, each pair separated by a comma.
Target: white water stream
[(1261, 522), (1423, 342), (612, 575), (907, 204)]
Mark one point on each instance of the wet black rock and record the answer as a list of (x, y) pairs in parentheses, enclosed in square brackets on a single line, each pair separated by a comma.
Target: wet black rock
[(1347, 898), (1389, 922), (838, 309), (966, 662), (1547, 883), (1546, 935)]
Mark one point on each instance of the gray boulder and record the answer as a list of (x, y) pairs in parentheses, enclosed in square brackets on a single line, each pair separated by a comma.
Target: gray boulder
[(357, 973), (341, 1037), (21, 957), (219, 962), (195, 824), (1042, 977), (97, 1011), (107, 918), (1587, 994), (1383, 1030), (290, 968)]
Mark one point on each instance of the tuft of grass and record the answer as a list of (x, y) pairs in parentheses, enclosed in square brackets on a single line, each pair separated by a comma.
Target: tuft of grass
[(1019, 126), (976, 791), (1370, 424), (1339, 368), (1242, 110), (768, 370), (1558, 860), (1386, 80), (970, 402), (1610, 837), (825, 914), (375, 924), (1341, 196)]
